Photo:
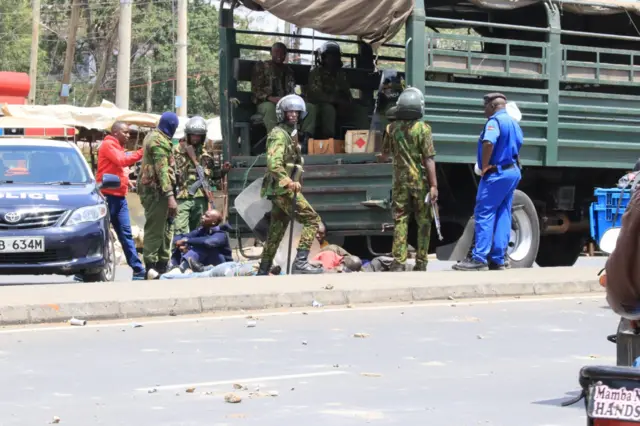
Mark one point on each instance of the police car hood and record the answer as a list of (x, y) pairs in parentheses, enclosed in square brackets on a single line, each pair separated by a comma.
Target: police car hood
[(67, 197)]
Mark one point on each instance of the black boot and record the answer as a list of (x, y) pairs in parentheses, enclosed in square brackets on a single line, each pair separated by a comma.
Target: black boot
[(397, 267), (470, 265), (265, 267), (162, 267), (301, 264), (195, 265)]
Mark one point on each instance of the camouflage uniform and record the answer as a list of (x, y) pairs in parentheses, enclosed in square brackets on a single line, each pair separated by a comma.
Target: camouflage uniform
[(270, 80), (409, 142), (156, 183), (324, 90), (192, 207), (282, 149)]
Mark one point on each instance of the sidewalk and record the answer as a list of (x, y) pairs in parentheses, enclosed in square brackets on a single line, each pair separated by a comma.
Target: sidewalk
[(59, 302)]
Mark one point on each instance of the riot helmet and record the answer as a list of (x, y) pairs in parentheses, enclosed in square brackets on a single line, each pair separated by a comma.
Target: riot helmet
[(290, 103), (196, 126), (410, 104), (330, 48)]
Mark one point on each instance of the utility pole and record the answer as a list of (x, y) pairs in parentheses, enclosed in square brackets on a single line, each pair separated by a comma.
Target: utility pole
[(71, 48), (124, 55), (35, 40), (287, 31), (181, 77), (149, 76)]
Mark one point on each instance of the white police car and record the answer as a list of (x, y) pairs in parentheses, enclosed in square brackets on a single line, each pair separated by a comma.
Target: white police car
[(53, 219)]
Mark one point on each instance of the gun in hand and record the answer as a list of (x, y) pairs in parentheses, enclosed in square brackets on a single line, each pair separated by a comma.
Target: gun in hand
[(202, 182)]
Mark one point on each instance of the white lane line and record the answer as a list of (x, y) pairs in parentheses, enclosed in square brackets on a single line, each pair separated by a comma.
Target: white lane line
[(244, 381), (120, 323)]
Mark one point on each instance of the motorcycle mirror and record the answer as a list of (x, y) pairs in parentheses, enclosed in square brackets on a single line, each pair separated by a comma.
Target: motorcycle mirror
[(608, 241)]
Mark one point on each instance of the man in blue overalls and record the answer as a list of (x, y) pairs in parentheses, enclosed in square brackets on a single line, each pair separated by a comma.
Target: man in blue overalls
[(498, 158)]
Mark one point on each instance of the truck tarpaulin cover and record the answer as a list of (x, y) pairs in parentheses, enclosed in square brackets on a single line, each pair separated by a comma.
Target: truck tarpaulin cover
[(376, 21), (599, 7)]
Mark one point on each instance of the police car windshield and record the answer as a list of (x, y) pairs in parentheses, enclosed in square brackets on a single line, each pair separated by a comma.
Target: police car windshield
[(29, 164)]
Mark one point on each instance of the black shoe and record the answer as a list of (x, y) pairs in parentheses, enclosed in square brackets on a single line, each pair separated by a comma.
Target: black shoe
[(397, 267), (265, 266), (301, 264), (161, 267), (470, 265), (420, 266), (496, 267), (195, 265)]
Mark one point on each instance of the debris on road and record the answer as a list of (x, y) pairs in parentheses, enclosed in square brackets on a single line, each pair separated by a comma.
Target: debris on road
[(350, 306), (371, 374), (251, 323), (232, 398), (316, 304), (328, 287), (480, 336), (238, 386), (76, 321), (361, 335), (136, 325), (55, 420), (190, 390), (154, 390), (304, 342)]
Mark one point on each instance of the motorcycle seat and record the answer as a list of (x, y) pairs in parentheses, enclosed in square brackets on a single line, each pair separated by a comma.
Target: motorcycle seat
[(598, 372)]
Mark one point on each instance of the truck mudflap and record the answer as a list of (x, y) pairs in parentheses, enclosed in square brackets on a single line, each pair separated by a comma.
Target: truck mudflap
[(458, 251)]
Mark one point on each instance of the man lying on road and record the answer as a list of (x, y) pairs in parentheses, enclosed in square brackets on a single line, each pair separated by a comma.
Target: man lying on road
[(207, 245), (226, 269)]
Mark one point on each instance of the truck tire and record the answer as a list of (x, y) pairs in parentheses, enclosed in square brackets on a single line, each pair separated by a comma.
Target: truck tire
[(525, 232), (108, 273), (559, 250)]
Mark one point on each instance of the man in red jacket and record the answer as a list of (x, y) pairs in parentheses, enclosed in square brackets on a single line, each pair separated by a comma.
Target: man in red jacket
[(113, 159)]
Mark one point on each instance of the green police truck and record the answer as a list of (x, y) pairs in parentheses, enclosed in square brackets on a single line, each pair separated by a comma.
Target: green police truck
[(569, 64)]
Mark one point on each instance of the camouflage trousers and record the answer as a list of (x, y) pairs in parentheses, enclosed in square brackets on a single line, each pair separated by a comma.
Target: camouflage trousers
[(280, 216), (157, 231), (408, 200)]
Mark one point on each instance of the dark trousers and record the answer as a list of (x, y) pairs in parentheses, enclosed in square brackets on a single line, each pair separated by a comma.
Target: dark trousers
[(119, 214)]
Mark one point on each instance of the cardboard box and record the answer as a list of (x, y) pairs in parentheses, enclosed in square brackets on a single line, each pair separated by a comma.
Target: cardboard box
[(326, 146), (357, 142)]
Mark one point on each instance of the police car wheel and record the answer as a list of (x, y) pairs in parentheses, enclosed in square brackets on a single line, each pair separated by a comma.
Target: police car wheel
[(108, 272), (525, 232)]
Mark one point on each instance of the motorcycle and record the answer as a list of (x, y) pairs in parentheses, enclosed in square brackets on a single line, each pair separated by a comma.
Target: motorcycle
[(612, 394)]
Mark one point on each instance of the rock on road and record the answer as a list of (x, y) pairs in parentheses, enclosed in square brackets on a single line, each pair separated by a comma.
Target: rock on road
[(502, 362)]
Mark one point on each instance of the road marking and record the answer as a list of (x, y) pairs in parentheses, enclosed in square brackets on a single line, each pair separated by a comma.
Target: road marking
[(120, 323), (243, 381)]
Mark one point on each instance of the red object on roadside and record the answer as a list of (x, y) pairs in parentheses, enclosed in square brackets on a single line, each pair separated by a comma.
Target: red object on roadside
[(14, 87)]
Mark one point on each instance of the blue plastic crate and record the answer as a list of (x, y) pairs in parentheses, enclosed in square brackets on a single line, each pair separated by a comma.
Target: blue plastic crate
[(603, 212)]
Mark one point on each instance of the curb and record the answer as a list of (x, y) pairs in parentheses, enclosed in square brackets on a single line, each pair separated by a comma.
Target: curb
[(172, 306)]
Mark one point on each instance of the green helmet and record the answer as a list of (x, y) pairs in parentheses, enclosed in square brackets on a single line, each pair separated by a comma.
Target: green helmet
[(410, 105)]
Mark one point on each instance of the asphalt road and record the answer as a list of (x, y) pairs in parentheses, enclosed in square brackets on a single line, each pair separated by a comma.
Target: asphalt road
[(123, 273), (452, 364)]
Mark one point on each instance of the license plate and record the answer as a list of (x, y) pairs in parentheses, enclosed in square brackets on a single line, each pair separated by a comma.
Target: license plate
[(22, 245)]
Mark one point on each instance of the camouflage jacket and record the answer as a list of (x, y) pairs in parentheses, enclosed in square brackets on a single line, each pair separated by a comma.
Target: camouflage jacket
[(186, 174), (409, 143), (282, 149), (157, 172), (326, 87), (268, 79)]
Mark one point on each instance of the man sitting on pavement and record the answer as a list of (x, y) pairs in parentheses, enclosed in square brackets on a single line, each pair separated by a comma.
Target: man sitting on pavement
[(321, 236), (207, 245)]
